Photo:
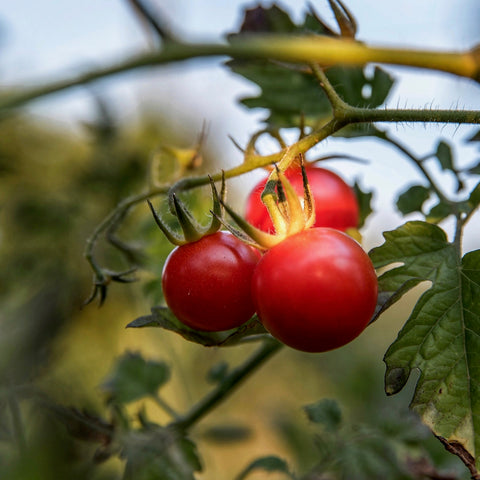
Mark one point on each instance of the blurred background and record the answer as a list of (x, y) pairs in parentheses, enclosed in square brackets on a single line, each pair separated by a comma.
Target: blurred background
[(66, 160)]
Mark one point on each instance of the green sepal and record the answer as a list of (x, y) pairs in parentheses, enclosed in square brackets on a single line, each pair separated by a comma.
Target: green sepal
[(192, 231), (345, 20), (296, 220), (270, 199), (217, 209), (309, 202), (190, 228), (257, 238), (171, 237)]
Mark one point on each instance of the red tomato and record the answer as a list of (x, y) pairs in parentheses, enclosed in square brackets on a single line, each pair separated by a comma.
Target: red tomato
[(316, 290), (336, 205), (207, 284)]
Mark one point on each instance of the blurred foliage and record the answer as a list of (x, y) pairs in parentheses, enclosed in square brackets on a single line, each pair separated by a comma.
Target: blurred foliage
[(55, 186)]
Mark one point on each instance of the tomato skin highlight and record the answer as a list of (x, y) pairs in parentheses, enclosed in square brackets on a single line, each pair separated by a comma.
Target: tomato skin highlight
[(207, 284), (316, 290), (336, 205)]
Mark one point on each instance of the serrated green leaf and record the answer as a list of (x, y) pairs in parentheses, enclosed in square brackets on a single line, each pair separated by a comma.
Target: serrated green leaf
[(325, 412), (133, 377), (441, 338), (412, 199), (364, 202), (269, 463)]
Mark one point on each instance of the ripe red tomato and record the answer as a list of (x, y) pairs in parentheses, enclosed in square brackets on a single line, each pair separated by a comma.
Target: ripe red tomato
[(336, 205), (207, 284), (316, 290)]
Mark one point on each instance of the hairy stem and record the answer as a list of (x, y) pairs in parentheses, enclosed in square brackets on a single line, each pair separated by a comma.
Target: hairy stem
[(227, 385)]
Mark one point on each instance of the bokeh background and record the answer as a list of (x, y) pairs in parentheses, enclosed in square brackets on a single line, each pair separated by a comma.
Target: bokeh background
[(66, 160)]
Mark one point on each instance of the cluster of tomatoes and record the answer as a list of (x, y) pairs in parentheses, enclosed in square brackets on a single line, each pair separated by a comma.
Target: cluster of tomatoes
[(314, 291)]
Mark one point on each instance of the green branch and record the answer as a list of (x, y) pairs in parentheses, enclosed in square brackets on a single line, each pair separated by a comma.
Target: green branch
[(308, 49), (366, 115), (226, 386)]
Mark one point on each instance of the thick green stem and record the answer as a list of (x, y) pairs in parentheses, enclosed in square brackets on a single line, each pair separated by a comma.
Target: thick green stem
[(227, 385), (307, 49)]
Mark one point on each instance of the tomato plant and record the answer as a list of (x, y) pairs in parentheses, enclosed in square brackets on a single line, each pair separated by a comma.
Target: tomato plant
[(316, 290), (207, 283), (336, 205)]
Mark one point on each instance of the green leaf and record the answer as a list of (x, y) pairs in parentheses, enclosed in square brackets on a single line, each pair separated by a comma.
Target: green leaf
[(364, 202), (291, 94), (474, 198), (441, 338), (444, 155), (162, 317), (439, 212), (326, 412), (270, 464), (133, 377), (475, 170), (475, 137), (412, 199)]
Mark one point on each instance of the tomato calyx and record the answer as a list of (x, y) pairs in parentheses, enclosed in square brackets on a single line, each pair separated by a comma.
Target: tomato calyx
[(289, 213), (192, 231)]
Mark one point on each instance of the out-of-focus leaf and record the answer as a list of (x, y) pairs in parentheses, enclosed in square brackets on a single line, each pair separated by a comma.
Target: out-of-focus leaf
[(218, 372), (326, 412), (474, 199), (159, 453), (439, 212), (412, 199), (133, 377), (475, 137), (442, 336), (364, 202), (475, 170), (291, 94), (81, 424), (445, 156), (269, 464)]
